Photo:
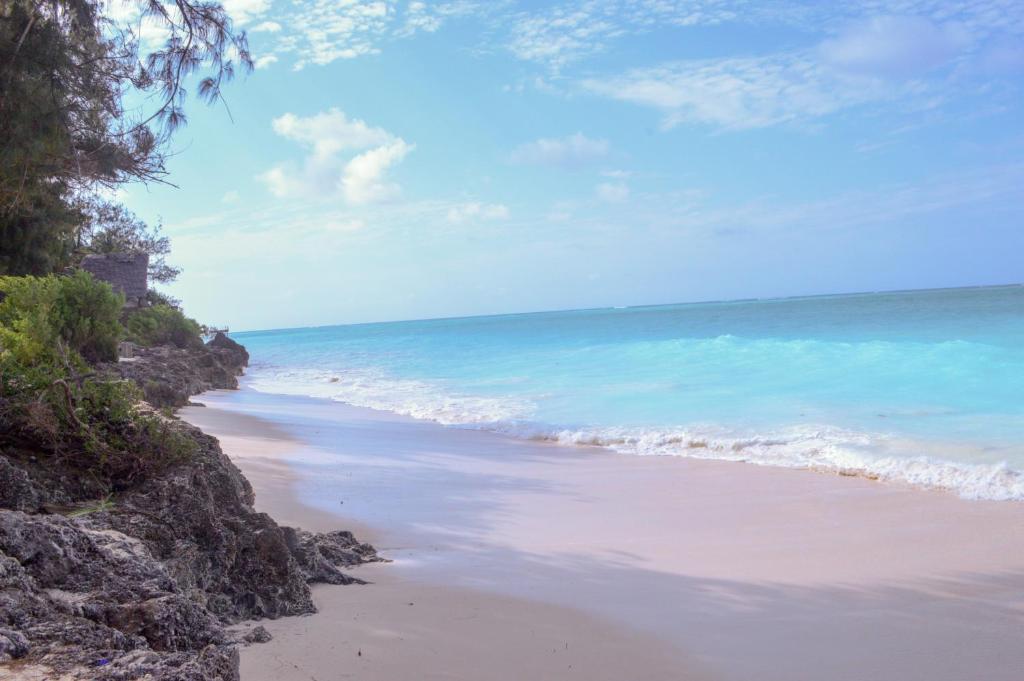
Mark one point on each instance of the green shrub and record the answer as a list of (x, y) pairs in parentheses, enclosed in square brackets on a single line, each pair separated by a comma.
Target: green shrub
[(52, 403), (87, 314), (163, 325), (28, 334), (38, 315), (126, 441), (94, 425)]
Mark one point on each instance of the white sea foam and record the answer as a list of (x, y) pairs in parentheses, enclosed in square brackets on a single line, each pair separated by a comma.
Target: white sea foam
[(819, 448), (417, 399), (823, 448)]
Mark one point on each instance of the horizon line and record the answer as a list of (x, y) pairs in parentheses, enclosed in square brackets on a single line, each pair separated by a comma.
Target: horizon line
[(643, 305)]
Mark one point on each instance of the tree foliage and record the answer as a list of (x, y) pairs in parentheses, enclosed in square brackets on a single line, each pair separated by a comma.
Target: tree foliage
[(38, 238), (67, 73), (111, 228), (163, 325)]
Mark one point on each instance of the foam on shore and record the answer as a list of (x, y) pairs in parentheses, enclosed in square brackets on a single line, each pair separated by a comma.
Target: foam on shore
[(818, 447)]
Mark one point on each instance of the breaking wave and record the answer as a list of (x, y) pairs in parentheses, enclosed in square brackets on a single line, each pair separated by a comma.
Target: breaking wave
[(418, 399), (821, 448)]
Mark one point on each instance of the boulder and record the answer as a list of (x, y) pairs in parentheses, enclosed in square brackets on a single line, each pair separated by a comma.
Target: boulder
[(232, 353), (320, 555), (257, 634)]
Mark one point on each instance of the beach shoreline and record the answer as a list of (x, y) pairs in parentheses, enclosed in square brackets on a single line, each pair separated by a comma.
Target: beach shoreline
[(392, 627), (711, 569)]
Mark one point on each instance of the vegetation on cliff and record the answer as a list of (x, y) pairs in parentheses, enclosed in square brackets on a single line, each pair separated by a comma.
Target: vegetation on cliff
[(163, 325), (67, 137), (54, 404), (128, 540)]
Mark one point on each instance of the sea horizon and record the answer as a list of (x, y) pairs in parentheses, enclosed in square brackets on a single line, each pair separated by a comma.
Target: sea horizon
[(708, 301)]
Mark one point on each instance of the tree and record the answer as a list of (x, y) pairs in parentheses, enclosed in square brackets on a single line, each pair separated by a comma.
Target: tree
[(112, 228), (38, 239), (66, 72)]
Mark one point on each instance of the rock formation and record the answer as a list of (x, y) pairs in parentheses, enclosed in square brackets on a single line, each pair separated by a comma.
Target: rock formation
[(169, 376), (143, 584)]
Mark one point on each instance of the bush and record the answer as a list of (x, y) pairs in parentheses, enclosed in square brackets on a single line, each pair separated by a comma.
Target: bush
[(51, 401), (87, 316), (28, 334), (124, 441), (38, 314), (163, 325), (95, 426)]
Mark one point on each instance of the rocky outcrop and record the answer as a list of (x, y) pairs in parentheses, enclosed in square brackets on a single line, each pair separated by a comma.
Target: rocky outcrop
[(169, 375), (198, 519), (232, 353), (97, 604), (144, 584), (320, 555)]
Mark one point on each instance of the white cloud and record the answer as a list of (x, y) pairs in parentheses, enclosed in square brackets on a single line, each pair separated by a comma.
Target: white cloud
[(230, 197), (739, 93), (612, 192), (121, 11), (323, 31), (894, 46), (474, 211), (429, 17), (573, 150), (978, 16), (572, 31), (265, 61), (561, 36), (418, 17), (910, 54), (363, 179), (284, 181), (882, 38), (329, 132), (328, 169), (242, 11), (266, 27), (153, 33)]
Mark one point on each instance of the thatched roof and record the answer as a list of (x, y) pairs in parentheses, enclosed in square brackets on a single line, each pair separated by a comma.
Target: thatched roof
[(126, 272)]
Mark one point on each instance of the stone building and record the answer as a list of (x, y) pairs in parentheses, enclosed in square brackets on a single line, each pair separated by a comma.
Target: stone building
[(125, 272)]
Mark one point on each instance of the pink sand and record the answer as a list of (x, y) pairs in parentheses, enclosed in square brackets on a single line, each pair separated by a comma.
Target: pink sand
[(651, 567)]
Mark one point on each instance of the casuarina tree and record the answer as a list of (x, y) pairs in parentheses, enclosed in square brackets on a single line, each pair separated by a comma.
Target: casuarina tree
[(86, 103)]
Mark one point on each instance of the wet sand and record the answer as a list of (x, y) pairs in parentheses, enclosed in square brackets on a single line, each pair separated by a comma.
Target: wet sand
[(642, 567)]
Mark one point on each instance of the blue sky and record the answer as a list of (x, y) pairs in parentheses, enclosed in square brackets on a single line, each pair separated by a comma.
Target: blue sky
[(396, 160)]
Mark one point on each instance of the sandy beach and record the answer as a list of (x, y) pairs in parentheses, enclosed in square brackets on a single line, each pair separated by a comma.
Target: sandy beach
[(515, 559)]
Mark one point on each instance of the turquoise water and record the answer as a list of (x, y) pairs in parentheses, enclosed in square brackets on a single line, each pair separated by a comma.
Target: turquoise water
[(924, 387)]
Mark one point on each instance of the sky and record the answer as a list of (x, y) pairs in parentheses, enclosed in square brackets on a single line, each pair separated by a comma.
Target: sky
[(395, 159)]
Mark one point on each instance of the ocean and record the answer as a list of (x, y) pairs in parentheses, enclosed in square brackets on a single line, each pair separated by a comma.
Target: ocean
[(918, 387)]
